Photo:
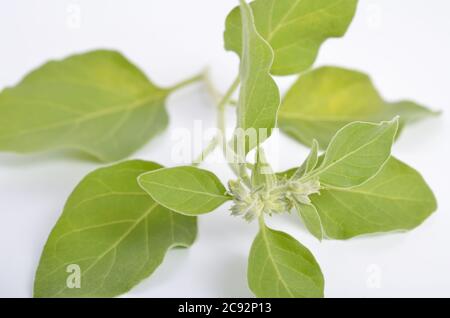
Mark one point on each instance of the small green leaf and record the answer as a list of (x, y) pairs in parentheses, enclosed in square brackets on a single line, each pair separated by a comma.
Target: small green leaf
[(356, 153), (326, 99), (397, 198), (311, 219), (279, 266), (113, 232), (187, 190), (259, 97), (262, 174), (98, 103), (310, 163), (294, 28)]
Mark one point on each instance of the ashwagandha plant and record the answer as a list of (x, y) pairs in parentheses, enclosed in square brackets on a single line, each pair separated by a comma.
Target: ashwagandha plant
[(120, 221)]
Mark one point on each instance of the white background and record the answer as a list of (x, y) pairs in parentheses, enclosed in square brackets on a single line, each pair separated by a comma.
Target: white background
[(403, 44)]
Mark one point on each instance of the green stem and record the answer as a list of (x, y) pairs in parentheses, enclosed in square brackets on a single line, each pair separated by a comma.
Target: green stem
[(214, 92), (233, 102), (223, 103), (221, 124), (238, 168), (262, 224), (207, 151), (188, 81)]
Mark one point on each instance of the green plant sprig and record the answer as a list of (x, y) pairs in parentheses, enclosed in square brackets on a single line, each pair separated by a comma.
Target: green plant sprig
[(121, 220)]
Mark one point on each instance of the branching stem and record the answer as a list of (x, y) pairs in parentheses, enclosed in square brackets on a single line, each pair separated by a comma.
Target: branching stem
[(221, 138), (221, 121)]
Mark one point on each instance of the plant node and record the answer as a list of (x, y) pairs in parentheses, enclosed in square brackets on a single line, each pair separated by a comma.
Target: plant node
[(279, 198)]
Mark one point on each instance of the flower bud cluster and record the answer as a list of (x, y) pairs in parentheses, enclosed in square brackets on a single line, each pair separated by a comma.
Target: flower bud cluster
[(278, 198)]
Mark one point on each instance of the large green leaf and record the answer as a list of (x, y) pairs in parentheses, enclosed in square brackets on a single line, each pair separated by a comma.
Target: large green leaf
[(326, 99), (397, 198), (356, 153), (259, 98), (98, 103), (279, 266), (113, 231), (187, 190), (294, 28)]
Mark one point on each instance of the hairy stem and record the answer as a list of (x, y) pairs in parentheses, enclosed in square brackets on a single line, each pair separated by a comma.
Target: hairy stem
[(188, 81), (221, 120), (238, 168), (220, 138), (206, 151), (215, 93), (261, 222), (221, 124)]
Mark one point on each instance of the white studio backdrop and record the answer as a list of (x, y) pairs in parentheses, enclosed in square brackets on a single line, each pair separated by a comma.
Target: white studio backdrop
[(404, 46)]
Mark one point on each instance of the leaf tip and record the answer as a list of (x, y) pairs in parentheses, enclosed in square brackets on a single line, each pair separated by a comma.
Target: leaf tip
[(315, 144)]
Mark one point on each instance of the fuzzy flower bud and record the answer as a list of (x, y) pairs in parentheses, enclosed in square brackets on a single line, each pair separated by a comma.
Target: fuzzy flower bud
[(279, 198), (246, 203), (252, 203), (300, 191)]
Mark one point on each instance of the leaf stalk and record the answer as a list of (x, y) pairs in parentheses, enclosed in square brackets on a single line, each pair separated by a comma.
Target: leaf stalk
[(189, 81)]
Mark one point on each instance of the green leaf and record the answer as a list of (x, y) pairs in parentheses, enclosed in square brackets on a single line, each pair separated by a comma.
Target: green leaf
[(356, 153), (311, 219), (289, 173), (279, 266), (295, 29), (326, 99), (113, 231), (97, 103), (187, 190), (397, 198), (259, 97), (309, 164), (262, 174)]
